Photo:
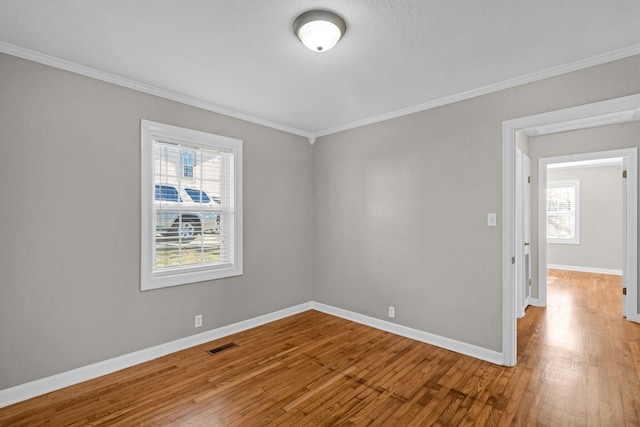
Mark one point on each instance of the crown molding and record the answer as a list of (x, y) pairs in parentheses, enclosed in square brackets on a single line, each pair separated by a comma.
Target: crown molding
[(506, 84), (73, 67), (312, 136)]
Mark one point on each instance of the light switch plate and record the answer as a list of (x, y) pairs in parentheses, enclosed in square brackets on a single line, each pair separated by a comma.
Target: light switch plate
[(492, 219)]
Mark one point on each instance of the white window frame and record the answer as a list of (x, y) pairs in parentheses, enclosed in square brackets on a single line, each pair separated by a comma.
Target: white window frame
[(151, 131), (575, 183)]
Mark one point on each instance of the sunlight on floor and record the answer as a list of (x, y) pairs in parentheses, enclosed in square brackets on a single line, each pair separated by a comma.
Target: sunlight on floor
[(560, 311)]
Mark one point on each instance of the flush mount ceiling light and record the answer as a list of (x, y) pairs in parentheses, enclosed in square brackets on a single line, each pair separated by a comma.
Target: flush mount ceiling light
[(319, 30)]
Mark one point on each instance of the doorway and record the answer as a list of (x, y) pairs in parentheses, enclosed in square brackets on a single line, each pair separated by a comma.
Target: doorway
[(621, 165), (592, 115)]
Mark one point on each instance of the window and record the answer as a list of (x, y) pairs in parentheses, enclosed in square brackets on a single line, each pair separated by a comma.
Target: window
[(188, 162), (191, 206), (563, 208)]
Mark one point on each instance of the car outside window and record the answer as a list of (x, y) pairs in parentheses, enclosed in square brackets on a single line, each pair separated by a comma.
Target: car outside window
[(197, 196), (167, 193)]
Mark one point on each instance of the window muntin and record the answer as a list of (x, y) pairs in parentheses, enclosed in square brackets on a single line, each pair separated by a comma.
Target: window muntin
[(563, 207), (191, 226)]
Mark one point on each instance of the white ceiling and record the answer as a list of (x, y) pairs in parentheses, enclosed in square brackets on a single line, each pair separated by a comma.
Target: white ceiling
[(240, 57)]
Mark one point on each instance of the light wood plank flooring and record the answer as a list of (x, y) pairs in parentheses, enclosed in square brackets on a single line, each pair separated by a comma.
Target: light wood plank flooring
[(578, 364)]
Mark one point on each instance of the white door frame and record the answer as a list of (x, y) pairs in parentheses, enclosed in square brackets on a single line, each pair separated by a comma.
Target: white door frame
[(630, 247), (583, 116), (523, 231), (519, 211), (526, 217)]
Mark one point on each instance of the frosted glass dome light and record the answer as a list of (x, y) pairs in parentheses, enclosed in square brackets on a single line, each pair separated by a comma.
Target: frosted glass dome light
[(319, 30)]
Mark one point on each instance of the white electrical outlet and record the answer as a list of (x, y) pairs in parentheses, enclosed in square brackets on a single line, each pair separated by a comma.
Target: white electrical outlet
[(198, 320), (392, 311)]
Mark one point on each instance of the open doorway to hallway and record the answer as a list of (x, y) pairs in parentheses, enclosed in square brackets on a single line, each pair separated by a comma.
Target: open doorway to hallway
[(623, 111), (582, 207), (586, 213)]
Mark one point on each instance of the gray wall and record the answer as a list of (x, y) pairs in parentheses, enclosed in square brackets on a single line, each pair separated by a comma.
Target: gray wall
[(401, 206), (600, 219), (70, 210), (602, 138), (390, 214)]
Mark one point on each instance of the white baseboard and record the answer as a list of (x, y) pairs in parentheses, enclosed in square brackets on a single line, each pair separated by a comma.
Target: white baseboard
[(415, 334), (522, 312), (55, 382), (585, 269)]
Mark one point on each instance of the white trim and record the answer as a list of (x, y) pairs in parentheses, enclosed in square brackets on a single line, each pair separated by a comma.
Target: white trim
[(150, 279), (542, 225), (55, 382), (94, 73), (509, 128), (595, 163), (520, 229), (535, 302), (630, 265), (509, 292), (585, 269), (518, 81), (415, 334), (619, 117), (629, 271), (532, 302), (62, 64)]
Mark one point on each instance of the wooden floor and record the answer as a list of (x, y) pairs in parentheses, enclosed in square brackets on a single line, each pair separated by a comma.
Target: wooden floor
[(578, 364)]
